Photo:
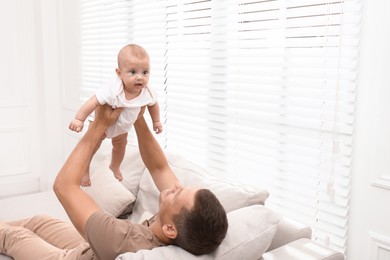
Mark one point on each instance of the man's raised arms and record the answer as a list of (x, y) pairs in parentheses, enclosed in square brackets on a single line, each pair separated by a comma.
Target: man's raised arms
[(78, 205), (154, 157)]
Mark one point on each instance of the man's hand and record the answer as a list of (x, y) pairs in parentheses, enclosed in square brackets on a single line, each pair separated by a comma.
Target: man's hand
[(141, 112), (106, 116)]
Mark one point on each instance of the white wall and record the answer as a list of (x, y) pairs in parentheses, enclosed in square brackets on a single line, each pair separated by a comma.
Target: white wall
[(50, 85), (39, 82), (71, 73), (369, 230), (30, 111)]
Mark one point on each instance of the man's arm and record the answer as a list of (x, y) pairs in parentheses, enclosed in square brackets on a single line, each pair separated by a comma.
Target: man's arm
[(154, 157), (77, 204)]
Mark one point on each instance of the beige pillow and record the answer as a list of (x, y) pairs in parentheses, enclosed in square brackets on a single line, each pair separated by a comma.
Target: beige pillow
[(250, 232), (109, 193)]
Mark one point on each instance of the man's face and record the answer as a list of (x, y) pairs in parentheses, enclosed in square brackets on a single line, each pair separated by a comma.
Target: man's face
[(173, 200)]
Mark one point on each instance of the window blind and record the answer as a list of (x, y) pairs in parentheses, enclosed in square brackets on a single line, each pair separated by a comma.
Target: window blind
[(105, 28), (260, 92)]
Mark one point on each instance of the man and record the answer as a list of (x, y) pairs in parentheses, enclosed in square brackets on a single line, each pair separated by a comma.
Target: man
[(189, 217)]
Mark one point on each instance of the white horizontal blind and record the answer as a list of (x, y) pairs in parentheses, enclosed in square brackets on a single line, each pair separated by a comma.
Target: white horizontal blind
[(148, 30), (299, 61), (188, 75), (261, 92), (105, 28)]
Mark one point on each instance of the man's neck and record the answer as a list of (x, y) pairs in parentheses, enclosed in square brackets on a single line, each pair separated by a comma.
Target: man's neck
[(156, 229)]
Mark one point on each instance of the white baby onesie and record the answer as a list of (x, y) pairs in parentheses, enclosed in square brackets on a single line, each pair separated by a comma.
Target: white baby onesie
[(114, 95)]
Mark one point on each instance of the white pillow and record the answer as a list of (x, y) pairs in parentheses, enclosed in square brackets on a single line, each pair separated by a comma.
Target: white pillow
[(132, 168), (232, 196), (147, 198), (250, 233), (109, 193), (251, 230), (132, 165)]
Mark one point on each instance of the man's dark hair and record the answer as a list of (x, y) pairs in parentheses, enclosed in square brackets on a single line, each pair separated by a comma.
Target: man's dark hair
[(201, 229)]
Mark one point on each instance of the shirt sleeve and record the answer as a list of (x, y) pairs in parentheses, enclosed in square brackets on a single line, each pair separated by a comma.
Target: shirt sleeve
[(110, 237)]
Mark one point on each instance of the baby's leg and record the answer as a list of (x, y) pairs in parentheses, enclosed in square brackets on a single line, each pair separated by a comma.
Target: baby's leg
[(86, 181), (118, 153)]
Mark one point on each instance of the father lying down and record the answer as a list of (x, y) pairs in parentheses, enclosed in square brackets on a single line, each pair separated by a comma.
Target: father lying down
[(189, 217)]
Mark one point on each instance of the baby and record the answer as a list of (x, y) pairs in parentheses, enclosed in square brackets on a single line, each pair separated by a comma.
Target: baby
[(129, 90)]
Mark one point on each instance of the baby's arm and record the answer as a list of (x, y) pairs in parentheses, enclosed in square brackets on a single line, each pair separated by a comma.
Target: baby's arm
[(86, 109), (154, 112)]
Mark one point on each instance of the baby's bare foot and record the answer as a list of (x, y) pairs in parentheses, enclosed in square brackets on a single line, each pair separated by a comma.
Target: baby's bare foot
[(85, 181), (117, 173)]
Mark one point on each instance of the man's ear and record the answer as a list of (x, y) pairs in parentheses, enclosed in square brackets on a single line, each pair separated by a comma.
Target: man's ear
[(169, 231)]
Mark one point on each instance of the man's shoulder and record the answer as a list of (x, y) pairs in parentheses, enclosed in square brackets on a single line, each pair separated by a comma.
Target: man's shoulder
[(123, 235)]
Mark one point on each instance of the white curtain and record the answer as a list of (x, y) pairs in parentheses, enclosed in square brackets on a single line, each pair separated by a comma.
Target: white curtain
[(259, 92)]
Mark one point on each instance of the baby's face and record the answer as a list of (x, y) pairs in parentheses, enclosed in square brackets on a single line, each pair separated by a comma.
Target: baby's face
[(134, 72)]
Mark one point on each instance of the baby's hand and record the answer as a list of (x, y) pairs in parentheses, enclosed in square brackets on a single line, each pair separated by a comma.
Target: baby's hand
[(76, 125), (157, 127)]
